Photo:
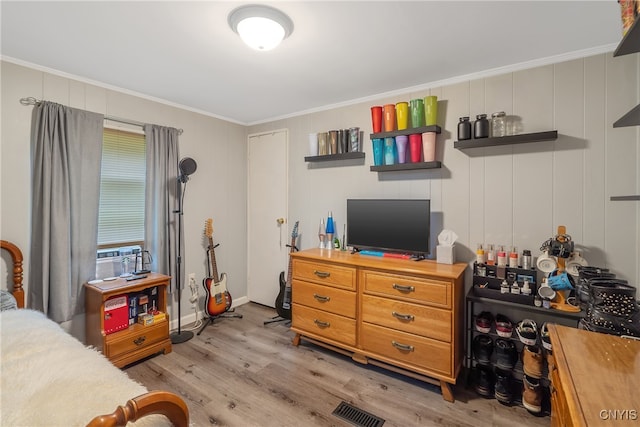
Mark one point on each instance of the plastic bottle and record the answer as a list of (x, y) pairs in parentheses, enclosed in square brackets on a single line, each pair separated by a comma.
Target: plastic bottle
[(491, 255), (526, 259), (464, 129), (480, 254), (513, 258), (526, 289), (481, 126), (504, 287), (502, 257)]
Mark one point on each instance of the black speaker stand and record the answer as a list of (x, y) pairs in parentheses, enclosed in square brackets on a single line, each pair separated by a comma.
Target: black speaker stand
[(229, 314)]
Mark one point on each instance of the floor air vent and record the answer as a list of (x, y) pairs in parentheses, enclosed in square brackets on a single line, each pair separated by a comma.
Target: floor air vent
[(357, 416)]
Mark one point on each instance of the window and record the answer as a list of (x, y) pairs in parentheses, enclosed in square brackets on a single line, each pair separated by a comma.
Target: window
[(122, 189)]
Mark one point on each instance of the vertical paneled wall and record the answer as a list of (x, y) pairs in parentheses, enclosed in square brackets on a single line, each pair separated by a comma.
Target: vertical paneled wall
[(510, 195)]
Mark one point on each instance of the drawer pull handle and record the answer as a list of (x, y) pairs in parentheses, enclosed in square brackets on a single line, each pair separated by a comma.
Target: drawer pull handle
[(139, 340), (403, 288), (321, 298), (402, 316), (321, 323), (403, 347), (322, 274)]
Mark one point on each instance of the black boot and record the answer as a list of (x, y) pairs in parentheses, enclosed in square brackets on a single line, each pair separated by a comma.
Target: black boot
[(613, 308)]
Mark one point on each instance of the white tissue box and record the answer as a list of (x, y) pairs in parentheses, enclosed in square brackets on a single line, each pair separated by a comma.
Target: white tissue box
[(445, 254)]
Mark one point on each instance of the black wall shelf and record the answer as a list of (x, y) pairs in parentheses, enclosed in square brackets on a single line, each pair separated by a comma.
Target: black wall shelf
[(340, 156), (406, 166), (632, 118), (408, 131), (624, 198), (630, 43), (507, 140)]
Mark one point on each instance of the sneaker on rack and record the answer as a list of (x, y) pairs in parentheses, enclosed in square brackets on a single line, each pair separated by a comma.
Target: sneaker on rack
[(482, 348), (503, 388), (527, 331), (504, 327), (484, 381), (484, 321), (532, 361), (506, 354), (544, 337), (531, 394)]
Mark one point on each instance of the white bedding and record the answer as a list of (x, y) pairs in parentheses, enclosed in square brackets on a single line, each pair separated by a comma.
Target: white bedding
[(48, 378)]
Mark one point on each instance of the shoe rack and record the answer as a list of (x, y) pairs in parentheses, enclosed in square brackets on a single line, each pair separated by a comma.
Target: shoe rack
[(516, 309)]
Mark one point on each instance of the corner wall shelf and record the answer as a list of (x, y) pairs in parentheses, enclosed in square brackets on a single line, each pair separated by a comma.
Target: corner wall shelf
[(340, 156), (630, 43), (406, 166), (507, 140)]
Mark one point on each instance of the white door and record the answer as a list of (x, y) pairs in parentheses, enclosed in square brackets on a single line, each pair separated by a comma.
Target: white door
[(267, 218)]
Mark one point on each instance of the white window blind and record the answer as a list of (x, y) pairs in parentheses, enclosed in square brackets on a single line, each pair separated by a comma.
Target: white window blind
[(122, 189)]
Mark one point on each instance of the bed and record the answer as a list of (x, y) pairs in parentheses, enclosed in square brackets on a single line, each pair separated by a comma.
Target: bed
[(49, 378)]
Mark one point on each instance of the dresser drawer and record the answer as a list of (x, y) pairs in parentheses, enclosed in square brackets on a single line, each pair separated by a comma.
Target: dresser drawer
[(324, 298), (416, 289), (135, 338), (408, 317), (326, 274), (322, 323), (407, 348)]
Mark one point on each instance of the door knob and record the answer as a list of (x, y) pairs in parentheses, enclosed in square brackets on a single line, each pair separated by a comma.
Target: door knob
[(280, 221)]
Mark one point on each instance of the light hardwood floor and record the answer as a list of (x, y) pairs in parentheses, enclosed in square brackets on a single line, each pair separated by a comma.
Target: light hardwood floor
[(239, 372)]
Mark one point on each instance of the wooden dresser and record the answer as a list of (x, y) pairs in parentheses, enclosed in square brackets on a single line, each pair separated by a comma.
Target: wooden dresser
[(404, 315), (595, 378), (136, 341)]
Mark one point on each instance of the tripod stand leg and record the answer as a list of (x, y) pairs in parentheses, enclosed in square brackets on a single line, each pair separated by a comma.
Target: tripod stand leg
[(276, 319), (209, 321)]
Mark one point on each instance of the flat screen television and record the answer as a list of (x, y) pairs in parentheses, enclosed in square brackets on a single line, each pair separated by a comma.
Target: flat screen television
[(394, 225)]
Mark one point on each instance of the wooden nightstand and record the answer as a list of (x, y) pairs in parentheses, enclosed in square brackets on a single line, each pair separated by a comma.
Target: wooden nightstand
[(136, 341)]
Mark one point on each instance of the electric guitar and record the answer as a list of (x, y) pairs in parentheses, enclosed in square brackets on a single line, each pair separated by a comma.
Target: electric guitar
[(283, 300), (218, 298)]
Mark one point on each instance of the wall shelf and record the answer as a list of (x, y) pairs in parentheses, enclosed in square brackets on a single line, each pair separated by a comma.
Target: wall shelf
[(624, 198), (408, 131), (507, 140), (340, 156), (632, 118), (406, 166), (630, 43)]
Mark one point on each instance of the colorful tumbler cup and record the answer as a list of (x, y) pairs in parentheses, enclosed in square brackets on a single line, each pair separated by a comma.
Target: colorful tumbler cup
[(401, 147), (415, 147), (431, 110), (376, 118), (429, 146), (378, 148), (402, 115), (389, 117), (417, 113), (389, 151)]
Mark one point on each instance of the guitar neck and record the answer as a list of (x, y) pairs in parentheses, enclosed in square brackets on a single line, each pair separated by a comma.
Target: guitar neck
[(289, 273), (212, 261)]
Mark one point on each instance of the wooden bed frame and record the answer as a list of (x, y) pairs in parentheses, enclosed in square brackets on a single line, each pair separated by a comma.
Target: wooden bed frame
[(154, 402)]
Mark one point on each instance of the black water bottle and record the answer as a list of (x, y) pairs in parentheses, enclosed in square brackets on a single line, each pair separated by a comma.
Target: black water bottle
[(481, 127), (464, 129)]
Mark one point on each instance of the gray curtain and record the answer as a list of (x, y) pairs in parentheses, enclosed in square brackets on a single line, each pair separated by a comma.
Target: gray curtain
[(66, 150), (161, 201)]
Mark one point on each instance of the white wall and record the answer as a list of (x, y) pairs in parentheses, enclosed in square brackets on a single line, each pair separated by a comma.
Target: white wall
[(513, 195), (217, 189)]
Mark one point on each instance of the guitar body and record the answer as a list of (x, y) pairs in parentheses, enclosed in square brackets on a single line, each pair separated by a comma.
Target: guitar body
[(283, 300), (280, 299), (218, 298)]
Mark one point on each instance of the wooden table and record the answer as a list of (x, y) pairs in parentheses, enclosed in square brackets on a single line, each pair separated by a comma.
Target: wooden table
[(596, 379)]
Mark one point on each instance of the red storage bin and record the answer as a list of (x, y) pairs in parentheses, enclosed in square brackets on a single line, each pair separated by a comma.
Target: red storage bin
[(116, 314)]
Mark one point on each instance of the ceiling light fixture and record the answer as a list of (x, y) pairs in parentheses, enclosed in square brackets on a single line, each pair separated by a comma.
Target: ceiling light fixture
[(259, 26)]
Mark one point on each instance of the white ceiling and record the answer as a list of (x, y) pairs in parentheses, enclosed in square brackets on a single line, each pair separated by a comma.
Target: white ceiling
[(184, 53)]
